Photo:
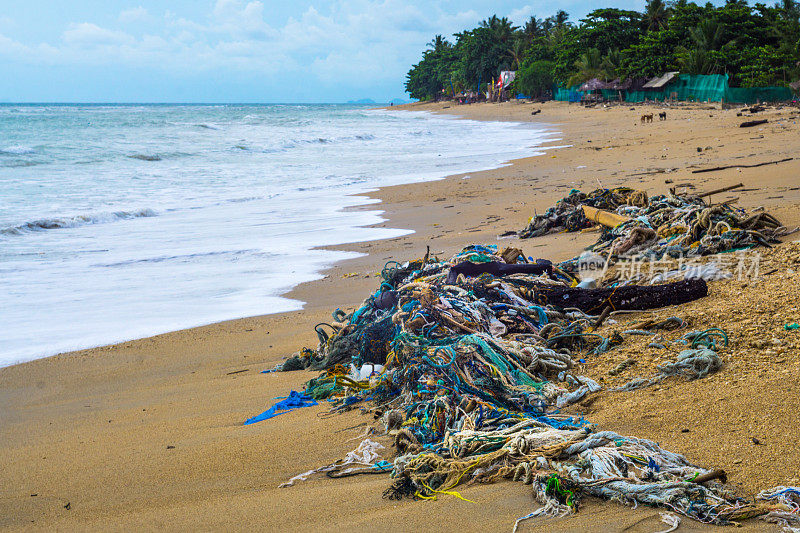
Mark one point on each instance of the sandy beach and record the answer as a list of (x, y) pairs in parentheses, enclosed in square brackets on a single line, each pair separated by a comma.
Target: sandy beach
[(148, 434)]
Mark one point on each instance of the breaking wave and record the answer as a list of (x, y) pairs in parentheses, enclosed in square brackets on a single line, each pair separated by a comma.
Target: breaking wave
[(17, 150), (76, 221)]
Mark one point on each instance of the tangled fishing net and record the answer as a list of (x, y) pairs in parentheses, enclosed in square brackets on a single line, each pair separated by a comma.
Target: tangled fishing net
[(468, 363), (667, 225)]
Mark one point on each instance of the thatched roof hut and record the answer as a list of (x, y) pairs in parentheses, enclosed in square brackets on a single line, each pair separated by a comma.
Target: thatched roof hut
[(594, 84)]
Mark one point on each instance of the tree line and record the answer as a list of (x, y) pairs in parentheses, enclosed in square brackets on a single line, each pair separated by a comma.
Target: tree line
[(756, 46)]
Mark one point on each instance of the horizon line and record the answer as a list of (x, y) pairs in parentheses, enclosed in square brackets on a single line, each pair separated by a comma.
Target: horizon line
[(351, 102)]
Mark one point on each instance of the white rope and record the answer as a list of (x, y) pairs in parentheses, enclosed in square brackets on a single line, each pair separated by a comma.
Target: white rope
[(672, 520), (364, 455)]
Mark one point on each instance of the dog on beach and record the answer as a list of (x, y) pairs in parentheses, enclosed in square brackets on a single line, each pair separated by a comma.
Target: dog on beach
[(662, 115), (647, 118)]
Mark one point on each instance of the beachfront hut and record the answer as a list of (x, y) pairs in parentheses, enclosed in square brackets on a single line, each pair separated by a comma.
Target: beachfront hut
[(659, 83), (593, 86), (619, 86)]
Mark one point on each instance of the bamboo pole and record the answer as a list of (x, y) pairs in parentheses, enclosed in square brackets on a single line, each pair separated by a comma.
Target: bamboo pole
[(606, 218)]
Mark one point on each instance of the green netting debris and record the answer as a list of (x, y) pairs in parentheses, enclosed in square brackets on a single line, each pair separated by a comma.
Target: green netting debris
[(662, 226), (468, 374)]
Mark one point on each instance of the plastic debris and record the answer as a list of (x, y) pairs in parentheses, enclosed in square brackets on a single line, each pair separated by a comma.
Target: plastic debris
[(475, 369), (473, 366), (364, 459), (669, 225), (295, 400), (786, 510)]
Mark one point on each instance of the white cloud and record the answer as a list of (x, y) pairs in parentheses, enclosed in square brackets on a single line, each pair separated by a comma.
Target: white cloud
[(521, 15), (88, 35), (243, 20), (136, 14), (350, 43), (13, 49)]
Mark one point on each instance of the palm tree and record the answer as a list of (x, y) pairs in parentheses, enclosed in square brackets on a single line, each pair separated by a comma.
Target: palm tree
[(547, 25), (502, 29), (696, 61), (438, 43), (555, 25), (561, 18), (516, 52), (708, 35), (612, 63), (656, 15), (534, 28), (590, 65)]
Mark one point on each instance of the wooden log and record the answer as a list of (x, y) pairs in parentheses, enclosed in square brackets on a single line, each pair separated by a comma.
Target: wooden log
[(751, 123), (743, 166), (606, 218), (710, 476)]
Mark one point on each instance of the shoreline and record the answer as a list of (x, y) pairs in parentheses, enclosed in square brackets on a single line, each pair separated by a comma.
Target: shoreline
[(364, 200), (92, 427)]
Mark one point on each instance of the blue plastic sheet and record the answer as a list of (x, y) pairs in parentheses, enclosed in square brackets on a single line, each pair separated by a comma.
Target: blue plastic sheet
[(295, 400)]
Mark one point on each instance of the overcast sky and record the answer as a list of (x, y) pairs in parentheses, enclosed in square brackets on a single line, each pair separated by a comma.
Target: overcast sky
[(232, 50)]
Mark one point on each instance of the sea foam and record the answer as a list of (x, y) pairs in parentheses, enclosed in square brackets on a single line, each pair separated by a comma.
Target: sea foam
[(225, 232), (75, 221)]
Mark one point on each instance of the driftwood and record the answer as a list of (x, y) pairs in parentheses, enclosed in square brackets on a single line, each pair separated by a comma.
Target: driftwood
[(710, 476), (628, 297), (742, 166), (751, 123), (721, 189)]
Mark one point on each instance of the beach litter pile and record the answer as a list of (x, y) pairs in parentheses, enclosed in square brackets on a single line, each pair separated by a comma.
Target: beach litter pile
[(668, 225), (467, 364)]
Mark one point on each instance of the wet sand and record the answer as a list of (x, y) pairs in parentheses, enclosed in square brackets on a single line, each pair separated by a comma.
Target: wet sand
[(148, 434)]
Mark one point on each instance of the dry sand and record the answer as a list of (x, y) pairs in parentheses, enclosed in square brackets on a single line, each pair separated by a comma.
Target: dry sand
[(148, 434)]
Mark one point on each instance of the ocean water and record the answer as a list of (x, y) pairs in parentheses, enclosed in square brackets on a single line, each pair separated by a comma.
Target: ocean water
[(123, 221)]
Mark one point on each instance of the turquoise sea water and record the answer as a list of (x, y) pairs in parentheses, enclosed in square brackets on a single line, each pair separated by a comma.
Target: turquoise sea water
[(122, 221)]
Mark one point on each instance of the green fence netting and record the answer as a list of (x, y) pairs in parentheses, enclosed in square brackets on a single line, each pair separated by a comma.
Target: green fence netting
[(562, 94), (691, 88), (757, 94)]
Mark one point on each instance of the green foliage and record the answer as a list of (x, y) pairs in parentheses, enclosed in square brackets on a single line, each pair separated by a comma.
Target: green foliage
[(655, 16), (590, 65), (535, 78), (433, 74), (763, 65), (755, 45), (609, 29)]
